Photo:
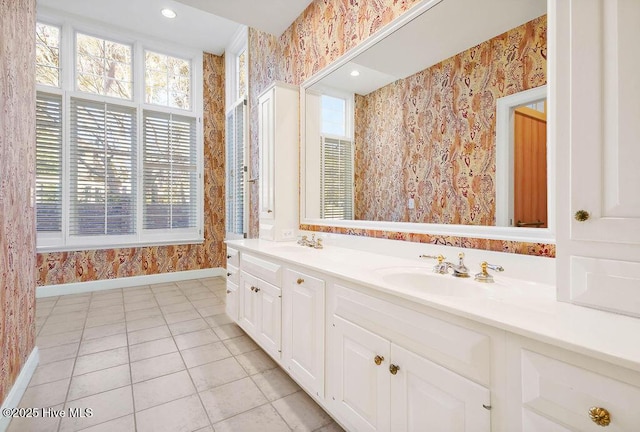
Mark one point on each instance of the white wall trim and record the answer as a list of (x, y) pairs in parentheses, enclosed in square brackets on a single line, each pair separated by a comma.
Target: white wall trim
[(19, 387), (126, 282)]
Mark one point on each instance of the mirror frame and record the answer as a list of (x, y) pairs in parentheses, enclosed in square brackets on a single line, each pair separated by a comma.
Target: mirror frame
[(535, 235)]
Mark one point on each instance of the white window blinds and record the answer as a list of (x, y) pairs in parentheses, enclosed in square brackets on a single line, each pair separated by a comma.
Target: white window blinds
[(48, 162), (169, 172), (337, 179), (102, 169), (235, 193)]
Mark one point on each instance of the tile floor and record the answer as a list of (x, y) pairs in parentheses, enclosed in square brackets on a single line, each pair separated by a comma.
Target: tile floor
[(159, 358)]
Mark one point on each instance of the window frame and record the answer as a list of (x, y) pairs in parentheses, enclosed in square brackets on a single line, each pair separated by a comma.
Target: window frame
[(69, 27), (237, 46)]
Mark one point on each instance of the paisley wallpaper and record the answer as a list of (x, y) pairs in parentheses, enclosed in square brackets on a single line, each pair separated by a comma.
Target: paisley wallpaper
[(431, 136), (17, 179), (81, 266), (329, 28)]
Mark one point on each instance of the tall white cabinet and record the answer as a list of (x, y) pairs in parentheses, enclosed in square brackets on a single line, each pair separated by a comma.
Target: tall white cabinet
[(596, 103), (278, 111)]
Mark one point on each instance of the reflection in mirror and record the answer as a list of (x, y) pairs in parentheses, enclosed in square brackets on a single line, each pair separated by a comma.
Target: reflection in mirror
[(419, 137), (521, 152)]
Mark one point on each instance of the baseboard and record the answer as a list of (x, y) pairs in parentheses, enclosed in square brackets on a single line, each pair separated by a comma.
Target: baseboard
[(17, 390), (126, 282)]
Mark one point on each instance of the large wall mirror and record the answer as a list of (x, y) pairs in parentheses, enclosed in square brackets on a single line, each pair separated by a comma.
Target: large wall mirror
[(436, 124)]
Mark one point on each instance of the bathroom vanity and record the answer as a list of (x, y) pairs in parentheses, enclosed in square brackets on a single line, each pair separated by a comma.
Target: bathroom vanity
[(385, 344)]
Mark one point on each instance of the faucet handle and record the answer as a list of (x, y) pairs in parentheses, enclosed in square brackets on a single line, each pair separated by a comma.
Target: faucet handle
[(318, 244), (440, 258), (461, 258), (484, 275)]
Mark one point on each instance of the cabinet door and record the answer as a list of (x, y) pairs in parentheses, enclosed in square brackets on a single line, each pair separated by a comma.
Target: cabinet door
[(303, 330), (269, 317), (266, 107), (596, 93), (248, 311), (429, 397), (231, 302), (359, 386), (605, 129)]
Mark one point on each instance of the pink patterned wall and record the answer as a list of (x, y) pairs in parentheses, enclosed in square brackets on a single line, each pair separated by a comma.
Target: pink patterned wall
[(17, 179), (321, 34), (432, 136), (82, 266)]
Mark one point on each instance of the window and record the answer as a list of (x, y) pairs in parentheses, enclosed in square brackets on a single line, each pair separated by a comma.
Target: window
[(167, 80), (236, 196), (118, 160), (334, 116), (336, 154), (47, 55), (337, 179), (103, 67)]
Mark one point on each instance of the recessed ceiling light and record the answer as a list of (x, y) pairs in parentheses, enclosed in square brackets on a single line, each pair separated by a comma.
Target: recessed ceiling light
[(355, 73), (168, 13)]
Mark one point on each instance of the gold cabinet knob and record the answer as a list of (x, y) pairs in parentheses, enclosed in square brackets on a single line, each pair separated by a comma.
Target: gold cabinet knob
[(269, 211), (581, 215), (228, 291), (378, 360), (228, 256), (254, 289), (600, 416), (300, 281), (229, 273), (394, 369)]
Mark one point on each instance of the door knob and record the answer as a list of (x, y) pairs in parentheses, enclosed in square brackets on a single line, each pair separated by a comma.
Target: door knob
[(600, 416), (581, 215), (378, 360), (394, 369)]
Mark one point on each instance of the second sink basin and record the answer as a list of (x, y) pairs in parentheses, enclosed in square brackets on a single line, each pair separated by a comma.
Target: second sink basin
[(424, 280)]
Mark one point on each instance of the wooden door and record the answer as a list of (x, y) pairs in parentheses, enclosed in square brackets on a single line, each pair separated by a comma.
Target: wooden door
[(248, 311), (359, 386), (530, 168), (429, 397), (303, 330), (269, 318)]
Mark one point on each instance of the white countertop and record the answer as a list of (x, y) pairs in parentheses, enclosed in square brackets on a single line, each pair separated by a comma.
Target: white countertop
[(518, 306)]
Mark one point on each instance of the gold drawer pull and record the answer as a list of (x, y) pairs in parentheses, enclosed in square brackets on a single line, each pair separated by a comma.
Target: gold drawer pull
[(228, 256), (269, 211), (229, 273), (600, 416), (254, 289), (581, 215), (394, 369), (228, 291), (300, 281), (378, 360)]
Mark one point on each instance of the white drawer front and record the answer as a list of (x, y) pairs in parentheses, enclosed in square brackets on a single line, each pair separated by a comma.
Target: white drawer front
[(606, 284), (462, 350), (233, 257), (231, 304), (233, 274), (263, 269), (566, 392)]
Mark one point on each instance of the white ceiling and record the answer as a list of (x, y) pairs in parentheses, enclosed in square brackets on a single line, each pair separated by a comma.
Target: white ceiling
[(447, 29), (271, 16), (192, 27)]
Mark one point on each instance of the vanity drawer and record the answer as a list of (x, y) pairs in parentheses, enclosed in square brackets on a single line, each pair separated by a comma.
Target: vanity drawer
[(565, 393), (233, 274), (266, 270), (233, 257), (457, 348)]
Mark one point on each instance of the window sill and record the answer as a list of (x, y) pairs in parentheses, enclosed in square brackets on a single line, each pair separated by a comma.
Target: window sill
[(75, 248)]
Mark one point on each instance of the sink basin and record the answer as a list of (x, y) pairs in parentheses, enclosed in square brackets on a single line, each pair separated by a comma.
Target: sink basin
[(421, 279)]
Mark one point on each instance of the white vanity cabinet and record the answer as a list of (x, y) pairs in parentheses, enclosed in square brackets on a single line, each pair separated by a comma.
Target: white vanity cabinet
[(278, 143), (303, 329), (595, 94), (556, 390), (233, 279), (260, 311), (381, 373)]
